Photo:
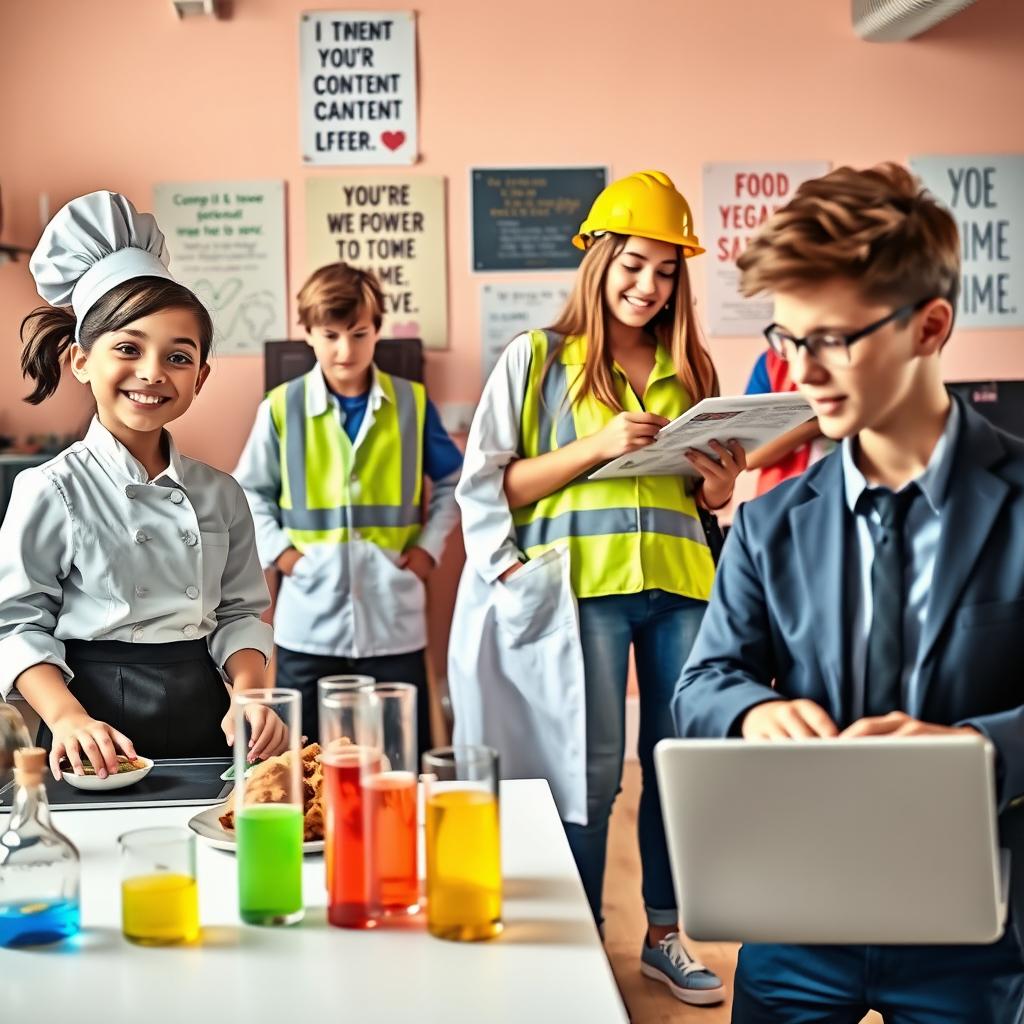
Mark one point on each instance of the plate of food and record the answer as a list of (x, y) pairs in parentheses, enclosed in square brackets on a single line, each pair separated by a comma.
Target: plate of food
[(129, 771), (216, 825)]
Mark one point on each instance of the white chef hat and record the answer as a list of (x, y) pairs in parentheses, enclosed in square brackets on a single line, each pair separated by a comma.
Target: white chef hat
[(92, 245)]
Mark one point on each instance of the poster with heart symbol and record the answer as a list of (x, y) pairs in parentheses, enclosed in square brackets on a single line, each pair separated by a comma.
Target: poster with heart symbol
[(226, 240), (357, 89)]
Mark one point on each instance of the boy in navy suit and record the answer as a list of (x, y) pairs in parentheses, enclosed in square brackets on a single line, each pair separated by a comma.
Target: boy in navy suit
[(882, 592)]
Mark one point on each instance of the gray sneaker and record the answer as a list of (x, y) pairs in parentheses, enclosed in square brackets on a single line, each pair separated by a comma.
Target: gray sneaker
[(687, 979)]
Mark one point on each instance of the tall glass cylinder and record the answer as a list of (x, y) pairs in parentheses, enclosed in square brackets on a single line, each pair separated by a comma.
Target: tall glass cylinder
[(463, 838), (350, 735), (389, 804), (269, 812)]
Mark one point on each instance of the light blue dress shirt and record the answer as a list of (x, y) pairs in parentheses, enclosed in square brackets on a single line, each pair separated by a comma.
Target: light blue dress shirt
[(921, 542)]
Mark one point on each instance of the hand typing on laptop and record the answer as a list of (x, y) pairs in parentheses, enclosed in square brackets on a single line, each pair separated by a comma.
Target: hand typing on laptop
[(804, 719)]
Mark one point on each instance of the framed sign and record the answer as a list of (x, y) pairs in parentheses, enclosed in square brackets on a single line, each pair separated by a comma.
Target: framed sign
[(738, 199), (357, 88), (393, 225), (226, 240), (986, 195), (524, 218)]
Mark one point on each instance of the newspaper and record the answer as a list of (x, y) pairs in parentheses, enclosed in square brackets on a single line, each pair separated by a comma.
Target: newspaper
[(753, 420)]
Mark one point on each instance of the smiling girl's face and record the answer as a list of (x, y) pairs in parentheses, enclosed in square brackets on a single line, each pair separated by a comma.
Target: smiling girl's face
[(146, 373), (641, 280)]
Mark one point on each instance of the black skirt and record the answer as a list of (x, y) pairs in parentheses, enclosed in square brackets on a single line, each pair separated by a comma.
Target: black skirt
[(168, 699)]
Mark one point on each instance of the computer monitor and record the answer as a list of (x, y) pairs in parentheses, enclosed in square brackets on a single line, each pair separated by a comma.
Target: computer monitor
[(286, 360), (1001, 402)]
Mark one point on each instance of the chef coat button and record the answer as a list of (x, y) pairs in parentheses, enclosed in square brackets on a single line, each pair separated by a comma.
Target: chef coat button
[(137, 634), (189, 537), (176, 496), (140, 537), (190, 631), (192, 592), (141, 591), (130, 491)]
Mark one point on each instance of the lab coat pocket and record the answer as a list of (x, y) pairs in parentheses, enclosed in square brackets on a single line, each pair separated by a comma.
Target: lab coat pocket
[(215, 548), (394, 600), (537, 600), (313, 561), (311, 599)]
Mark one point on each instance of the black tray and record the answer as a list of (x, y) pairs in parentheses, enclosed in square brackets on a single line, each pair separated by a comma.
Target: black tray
[(174, 782)]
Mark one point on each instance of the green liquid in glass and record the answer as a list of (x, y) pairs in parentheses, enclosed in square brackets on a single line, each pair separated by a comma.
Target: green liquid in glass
[(270, 864)]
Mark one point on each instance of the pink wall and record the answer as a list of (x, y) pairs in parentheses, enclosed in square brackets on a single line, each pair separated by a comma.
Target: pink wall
[(119, 94)]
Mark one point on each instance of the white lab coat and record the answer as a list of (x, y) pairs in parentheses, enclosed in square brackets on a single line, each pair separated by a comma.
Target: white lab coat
[(515, 663)]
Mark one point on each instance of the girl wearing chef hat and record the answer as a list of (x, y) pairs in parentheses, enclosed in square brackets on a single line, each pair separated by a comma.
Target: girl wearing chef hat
[(130, 588)]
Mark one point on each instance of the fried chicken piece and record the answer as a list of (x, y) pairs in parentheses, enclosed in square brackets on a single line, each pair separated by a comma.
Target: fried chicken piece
[(269, 781)]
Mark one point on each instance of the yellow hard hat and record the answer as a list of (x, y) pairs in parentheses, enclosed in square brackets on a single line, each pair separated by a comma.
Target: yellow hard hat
[(645, 204)]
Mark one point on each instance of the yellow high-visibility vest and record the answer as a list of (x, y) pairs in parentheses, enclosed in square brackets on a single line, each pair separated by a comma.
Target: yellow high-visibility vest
[(625, 535), (332, 491)]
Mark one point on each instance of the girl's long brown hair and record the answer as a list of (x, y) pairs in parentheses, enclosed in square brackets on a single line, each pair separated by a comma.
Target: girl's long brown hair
[(675, 327)]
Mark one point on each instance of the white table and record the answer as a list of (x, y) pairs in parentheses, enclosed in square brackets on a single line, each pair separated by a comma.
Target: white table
[(548, 965)]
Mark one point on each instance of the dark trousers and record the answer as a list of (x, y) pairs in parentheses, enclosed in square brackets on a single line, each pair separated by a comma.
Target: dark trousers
[(299, 671), (168, 699), (906, 984)]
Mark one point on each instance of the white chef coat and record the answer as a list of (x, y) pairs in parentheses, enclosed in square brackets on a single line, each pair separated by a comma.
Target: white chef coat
[(92, 549)]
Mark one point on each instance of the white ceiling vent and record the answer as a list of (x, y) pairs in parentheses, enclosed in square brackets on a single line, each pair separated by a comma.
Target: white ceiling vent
[(891, 21)]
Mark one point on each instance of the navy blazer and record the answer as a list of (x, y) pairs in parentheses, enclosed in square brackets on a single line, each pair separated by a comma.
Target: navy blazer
[(778, 611)]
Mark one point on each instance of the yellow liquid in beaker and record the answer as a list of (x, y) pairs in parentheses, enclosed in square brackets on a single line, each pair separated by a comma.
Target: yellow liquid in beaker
[(160, 909), (463, 865)]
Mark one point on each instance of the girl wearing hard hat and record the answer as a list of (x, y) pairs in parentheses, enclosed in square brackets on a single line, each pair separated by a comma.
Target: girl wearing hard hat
[(565, 575)]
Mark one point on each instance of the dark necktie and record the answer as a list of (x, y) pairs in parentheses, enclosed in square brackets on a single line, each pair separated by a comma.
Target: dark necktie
[(884, 667)]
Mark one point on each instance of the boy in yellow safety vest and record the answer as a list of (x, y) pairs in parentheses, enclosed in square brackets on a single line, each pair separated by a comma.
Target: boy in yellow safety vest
[(333, 471)]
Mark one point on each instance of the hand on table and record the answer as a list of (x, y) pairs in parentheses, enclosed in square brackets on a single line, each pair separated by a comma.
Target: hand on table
[(78, 735)]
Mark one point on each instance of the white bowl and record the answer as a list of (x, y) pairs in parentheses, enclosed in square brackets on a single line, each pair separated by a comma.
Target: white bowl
[(94, 783)]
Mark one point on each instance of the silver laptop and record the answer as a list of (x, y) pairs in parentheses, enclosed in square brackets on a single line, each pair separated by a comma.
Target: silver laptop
[(832, 841)]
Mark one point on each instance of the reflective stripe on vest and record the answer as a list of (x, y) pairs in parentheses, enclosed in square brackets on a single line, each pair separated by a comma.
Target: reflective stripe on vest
[(374, 489), (624, 535)]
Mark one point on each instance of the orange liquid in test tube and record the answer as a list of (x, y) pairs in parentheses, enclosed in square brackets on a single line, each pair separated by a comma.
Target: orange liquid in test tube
[(390, 806)]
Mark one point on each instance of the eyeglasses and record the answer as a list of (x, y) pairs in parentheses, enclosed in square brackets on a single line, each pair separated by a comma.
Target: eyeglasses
[(830, 348)]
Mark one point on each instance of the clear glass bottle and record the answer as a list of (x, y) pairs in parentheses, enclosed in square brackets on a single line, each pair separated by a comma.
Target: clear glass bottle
[(39, 866)]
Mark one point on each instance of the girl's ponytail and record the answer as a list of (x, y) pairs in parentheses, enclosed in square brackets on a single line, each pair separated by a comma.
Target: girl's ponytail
[(46, 336)]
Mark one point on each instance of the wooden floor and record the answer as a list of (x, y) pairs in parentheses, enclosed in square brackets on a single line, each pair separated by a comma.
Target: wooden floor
[(648, 1001)]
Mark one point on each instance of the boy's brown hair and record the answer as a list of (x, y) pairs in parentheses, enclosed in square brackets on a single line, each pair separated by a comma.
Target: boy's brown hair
[(340, 293), (878, 228)]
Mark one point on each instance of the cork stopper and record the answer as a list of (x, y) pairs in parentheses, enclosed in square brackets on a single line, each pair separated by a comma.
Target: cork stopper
[(29, 765)]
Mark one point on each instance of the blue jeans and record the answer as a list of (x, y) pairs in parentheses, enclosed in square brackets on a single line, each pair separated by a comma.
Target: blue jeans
[(661, 628), (906, 984)]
